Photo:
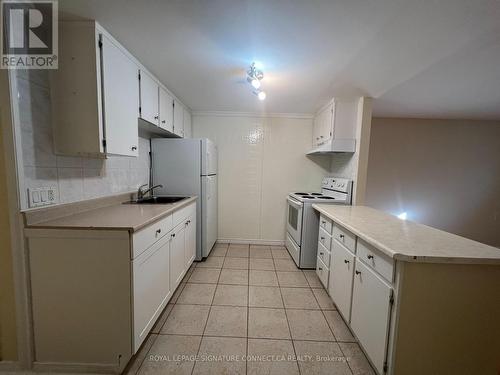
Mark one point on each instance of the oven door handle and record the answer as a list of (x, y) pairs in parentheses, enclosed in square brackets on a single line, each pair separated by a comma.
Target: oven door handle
[(294, 203)]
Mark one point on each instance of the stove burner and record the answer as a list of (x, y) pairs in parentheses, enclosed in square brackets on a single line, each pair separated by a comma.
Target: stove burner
[(308, 197), (327, 198), (301, 193), (316, 194)]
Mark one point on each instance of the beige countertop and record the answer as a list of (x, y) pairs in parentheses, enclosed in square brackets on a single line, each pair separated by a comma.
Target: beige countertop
[(130, 217), (407, 240)]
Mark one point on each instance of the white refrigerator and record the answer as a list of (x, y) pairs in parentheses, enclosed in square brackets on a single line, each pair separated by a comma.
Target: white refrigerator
[(188, 167)]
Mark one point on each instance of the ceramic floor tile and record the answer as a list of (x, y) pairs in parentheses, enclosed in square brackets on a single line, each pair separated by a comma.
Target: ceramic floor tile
[(263, 278), (339, 328), (309, 325), (281, 353), (235, 277), (162, 319), (186, 320), (321, 358), (356, 359), (292, 279), (137, 360), (231, 295), (239, 245), (299, 298), (197, 294), (218, 251), (260, 247), (264, 296), (231, 350), (286, 265), (211, 262), (171, 354), (237, 252), (260, 252), (227, 321), (324, 300), (267, 323), (177, 292), (312, 278), (205, 275), (280, 253), (261, 264), (236, 263)]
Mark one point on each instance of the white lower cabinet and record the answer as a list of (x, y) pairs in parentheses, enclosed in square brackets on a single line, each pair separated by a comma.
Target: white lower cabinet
[(190, 238), (371, 308), (177, 258), (151, 287), (340, 280)]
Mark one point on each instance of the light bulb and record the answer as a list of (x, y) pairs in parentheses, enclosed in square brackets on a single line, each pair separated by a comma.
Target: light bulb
[(255, 83), (262, 95)]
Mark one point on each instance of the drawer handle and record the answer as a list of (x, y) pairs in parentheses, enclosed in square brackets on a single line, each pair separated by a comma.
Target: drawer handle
[(346, 261), (158, 231), (323, 222), (173, 235), (134, 148), (341, 236), (322, 238), (156, 117), (358, 272), (321, 269), (370, 256), (321, 253), (163, 121)]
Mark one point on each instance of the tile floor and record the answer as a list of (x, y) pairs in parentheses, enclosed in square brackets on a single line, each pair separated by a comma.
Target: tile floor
[(248, 309)]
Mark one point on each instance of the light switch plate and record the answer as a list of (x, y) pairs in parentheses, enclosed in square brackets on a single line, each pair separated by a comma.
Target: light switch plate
[(42, 196)]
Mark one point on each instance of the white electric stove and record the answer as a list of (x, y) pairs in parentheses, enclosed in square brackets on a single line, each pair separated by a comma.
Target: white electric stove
[(303, 221)]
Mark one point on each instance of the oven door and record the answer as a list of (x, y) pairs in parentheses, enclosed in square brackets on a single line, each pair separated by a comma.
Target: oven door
[(294, 219)]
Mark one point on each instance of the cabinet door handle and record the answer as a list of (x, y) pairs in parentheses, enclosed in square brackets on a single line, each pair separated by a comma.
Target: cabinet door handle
[(134, 148), (173, 235), (321, 253), (358, 272), (341, 236), (321, 136), (323, 222), (156, 117), (163, 121), (346, 261), (158, 231), (321, 269), (370, 256), (322, 238)]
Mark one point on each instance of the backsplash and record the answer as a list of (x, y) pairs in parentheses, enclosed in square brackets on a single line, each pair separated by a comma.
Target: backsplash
[(75, 178)]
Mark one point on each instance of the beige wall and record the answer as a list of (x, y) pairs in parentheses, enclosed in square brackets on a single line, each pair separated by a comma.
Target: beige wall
[(443, 173), (260, 161), (8, 342)]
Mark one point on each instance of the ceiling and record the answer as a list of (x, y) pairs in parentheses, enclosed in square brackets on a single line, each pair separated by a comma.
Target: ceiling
[(431, 58)]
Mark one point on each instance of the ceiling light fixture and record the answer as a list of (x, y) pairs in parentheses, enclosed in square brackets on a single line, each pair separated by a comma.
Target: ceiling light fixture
[(254, 77)]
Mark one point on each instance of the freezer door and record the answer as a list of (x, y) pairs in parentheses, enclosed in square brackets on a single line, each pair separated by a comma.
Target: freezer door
[(209, 158), (209, 214)]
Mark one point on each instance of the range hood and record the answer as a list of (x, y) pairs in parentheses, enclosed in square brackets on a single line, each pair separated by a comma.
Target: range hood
[(333, 146)]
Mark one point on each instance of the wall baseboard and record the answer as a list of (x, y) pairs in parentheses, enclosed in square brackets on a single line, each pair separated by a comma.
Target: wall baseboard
[(252, 241), (9, 366)]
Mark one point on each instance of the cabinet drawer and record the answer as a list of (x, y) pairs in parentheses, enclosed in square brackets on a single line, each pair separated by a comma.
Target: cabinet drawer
[(149, 235), (323, 254), (183, 213), (324, 238), (345, 237), (326, 224), (380, 262), (322, 271)]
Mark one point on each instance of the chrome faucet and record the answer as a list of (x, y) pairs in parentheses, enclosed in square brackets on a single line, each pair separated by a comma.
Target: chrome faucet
[(141, 192)]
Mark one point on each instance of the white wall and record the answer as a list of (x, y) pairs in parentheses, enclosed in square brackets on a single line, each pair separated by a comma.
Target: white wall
[(260, 161), (443, 173), (75, 178)]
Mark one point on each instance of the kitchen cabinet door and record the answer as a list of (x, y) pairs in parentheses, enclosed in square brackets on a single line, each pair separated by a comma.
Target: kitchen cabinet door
[(178, 118), (121, 98), (188, 127), (166, 110), (177, 256), (340, 280), (371, 308), (323, 123), (190, 238), (149, 98), (151, 288)]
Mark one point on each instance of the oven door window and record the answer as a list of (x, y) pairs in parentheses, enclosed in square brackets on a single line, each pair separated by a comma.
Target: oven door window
[(293, 217)]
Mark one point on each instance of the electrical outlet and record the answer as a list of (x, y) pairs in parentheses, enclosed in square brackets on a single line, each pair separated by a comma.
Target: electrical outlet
[(42, 196)]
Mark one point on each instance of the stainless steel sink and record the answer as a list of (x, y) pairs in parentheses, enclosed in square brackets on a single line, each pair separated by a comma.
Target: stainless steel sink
[(158, 200)]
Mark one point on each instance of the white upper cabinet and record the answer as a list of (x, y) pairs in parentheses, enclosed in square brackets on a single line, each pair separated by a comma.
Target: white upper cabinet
[(166, 110), (149, 107), (178, 118), (188, 126), (334, 127), (94, 94), (120, 96)]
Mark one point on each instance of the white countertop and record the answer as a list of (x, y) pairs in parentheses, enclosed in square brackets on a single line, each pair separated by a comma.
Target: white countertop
[(406, 240), (130, 217)]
